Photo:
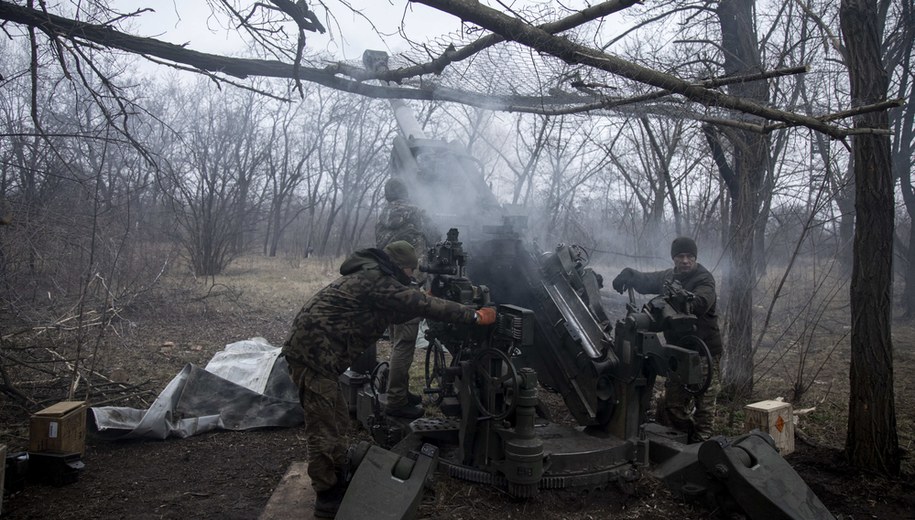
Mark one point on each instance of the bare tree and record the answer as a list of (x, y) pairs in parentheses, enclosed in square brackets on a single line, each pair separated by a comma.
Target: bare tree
[(571, 163), (744, 178), (649, 170), (294, 139), (352, 156), (210, 180), (872, 441), (898, 55), (74, 258), (528, 142)]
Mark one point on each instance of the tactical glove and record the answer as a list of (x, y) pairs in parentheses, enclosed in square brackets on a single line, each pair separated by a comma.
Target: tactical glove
[(485, 316), (623, 280)]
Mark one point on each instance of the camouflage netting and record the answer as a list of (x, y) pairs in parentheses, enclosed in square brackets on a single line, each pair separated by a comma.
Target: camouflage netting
[(511, 76), (509, 69)]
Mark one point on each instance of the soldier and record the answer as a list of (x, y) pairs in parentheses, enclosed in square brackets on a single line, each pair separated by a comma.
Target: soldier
[(674, 407), (334, 327), (401, 220)]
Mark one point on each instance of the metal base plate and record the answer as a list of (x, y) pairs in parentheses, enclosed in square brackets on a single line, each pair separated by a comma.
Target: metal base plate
[(574, 458)]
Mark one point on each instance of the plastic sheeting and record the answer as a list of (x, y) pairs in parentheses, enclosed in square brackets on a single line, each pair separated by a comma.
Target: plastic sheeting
[(245, 386)]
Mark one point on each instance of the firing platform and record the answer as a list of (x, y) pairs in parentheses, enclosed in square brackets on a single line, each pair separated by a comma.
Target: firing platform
[(293, 498)]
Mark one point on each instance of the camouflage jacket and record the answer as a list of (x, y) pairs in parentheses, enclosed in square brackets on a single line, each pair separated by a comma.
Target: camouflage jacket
[(345, 318), (701, 283), (400, 220)]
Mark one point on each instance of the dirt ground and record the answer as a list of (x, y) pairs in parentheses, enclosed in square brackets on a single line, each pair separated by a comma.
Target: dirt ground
[(232, 474)]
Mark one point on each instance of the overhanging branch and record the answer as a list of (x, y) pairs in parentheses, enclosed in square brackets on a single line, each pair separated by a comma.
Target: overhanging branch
[(351, 79), (571, 52), (57, 26), (451, 55)]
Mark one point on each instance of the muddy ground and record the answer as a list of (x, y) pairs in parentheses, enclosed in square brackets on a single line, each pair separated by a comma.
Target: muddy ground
[(232, 474)]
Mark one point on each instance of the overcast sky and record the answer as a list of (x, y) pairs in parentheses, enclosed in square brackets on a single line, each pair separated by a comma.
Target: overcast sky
[(191, 22)]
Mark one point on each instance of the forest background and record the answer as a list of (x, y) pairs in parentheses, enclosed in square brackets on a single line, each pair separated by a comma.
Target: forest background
[(126, 189)]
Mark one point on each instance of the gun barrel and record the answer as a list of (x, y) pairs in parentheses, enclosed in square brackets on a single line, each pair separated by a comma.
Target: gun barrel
[(406, 122)]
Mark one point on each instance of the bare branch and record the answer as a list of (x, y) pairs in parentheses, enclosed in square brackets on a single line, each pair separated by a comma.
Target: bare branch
[(243, 68), (451, 55), (503, 27), (575, 53), (833, 38), (298, 11), (710, 83)]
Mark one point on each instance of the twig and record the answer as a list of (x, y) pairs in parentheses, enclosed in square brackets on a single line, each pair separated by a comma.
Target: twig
[(803, 437), (35, 383), (124, 398)]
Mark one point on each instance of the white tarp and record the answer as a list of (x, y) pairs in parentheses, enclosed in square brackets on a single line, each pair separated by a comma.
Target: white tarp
[(245, 386)]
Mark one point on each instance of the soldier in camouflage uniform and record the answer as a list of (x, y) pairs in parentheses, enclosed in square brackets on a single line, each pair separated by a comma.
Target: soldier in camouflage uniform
[(401, 220), (675, 407), (334, 327)]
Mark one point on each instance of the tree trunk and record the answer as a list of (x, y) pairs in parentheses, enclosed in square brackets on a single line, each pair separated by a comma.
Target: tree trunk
[(750, 160), (276, 219), (902, 156), (845, 200), (908, 292), (872, 443)]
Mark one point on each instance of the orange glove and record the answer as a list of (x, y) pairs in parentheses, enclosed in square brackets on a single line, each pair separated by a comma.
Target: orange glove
[(486, 316)]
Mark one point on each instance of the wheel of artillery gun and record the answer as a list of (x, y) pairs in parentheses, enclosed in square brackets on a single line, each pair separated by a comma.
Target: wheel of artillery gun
[(507, 380), (435, 372), (696, 343)]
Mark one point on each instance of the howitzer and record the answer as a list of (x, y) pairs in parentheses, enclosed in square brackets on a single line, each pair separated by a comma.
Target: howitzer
[(553, 334)]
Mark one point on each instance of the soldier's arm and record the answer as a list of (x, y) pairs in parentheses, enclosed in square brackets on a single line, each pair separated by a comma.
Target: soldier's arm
[(649, 283), (705, 295), (394, 296)]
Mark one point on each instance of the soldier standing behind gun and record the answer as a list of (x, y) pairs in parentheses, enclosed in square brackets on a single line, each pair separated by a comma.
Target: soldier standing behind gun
[(401, 220), (674, 407), (336, 326)]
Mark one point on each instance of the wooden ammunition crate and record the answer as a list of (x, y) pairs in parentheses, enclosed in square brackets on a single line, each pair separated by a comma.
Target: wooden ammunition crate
[(60, 428), (774, 418)]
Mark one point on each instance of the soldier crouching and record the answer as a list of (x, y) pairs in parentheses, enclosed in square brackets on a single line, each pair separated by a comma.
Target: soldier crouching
[(333, 328)]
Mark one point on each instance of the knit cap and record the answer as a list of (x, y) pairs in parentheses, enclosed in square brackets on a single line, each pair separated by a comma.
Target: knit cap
[(402, 253), (682, 245)]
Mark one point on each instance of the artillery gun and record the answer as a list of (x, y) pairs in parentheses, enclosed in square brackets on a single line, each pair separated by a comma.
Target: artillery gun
[(553, 334)]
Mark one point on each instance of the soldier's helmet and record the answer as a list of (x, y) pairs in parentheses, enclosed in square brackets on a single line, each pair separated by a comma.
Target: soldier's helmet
[(395, 189)]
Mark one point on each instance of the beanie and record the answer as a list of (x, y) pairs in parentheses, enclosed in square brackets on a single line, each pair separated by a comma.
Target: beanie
[(395, 189), (682, 245), (402, 253)]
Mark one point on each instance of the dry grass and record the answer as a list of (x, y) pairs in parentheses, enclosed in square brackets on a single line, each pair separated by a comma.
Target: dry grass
[(278, 283)]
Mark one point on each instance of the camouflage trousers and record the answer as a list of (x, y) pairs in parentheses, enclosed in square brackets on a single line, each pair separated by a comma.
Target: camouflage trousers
[(693, 414), (326, 423), (403, 346)]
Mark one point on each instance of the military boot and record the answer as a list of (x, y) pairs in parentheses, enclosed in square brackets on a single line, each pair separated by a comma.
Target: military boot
[(327, 502)]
